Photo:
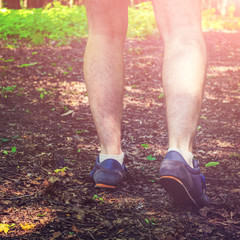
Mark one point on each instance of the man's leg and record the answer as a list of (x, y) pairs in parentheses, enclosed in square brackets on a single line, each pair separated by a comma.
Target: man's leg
[(184, 65), (103, 71)]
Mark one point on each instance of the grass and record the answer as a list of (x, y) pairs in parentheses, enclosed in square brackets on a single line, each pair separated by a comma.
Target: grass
[(59, 25)]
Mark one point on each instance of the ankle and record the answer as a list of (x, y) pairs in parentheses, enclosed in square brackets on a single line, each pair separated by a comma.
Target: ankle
[(118, 157), (187, 155), (111, 150)]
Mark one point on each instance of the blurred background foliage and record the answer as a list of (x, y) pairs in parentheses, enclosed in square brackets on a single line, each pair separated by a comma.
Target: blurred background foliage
[(37, 22)]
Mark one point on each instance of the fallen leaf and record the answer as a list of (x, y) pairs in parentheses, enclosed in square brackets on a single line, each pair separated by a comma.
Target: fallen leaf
[(27, 226), (67, 113), (4, 227), (56, 235), (236, 190), (74, 229), (53, 179)]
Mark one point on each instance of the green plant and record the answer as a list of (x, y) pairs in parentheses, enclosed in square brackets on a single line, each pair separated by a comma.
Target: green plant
[(5, 152), (7, 60), (161, 95), (151, 221), (28, 64), (141, 20), (64, 169), (58, 24), (6, 90), (14, 149), (43, 92), (82, 131), (211, 164), (145, 145), (151, 158), (98, 198), (3, 140)]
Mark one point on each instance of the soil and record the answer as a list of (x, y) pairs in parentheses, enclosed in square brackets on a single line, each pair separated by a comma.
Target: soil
[(48, 147)]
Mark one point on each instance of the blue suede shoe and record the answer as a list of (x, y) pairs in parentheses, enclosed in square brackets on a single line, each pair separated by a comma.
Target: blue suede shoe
[(108, 174), (185, 184)]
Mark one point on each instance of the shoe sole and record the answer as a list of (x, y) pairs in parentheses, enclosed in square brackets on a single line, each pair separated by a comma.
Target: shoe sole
[(177, 190), (101, 185)]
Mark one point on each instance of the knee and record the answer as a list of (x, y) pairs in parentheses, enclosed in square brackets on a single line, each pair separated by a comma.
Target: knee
[(184, 40), (184, 35), (108, 31), (108, 19)]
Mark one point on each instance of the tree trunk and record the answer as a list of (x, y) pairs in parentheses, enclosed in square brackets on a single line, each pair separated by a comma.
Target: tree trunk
[(12, 4), (24, 4), (70, 3), (223, 7), (78, 2), (37, 3), (237, 8)]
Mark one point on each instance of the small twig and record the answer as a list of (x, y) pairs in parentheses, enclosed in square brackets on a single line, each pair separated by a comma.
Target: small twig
[(140, 223), (91, 235), (20, 197), (45, 169)]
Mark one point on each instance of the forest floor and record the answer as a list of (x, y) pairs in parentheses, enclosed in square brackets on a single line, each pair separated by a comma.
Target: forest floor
[(49, 145)]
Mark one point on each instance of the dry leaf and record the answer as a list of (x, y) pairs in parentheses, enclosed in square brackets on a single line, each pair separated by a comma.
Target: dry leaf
[(27, 226), (4, 227), (56, 235), (67, 113)]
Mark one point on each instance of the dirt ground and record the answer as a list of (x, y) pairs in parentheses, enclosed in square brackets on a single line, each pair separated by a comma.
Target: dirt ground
[(48, 147)]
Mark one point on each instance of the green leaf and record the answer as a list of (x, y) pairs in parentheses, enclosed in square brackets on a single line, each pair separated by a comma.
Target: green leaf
[(5, 152), (61, 169), (40, 89), (82, 131), (161, 95), (199, 128), (41, 96), (14, 149), (210, 164), (28, 64), (99, 198), (145, 145), (151, 158), (41, 215), (4, 140), (6, 60)]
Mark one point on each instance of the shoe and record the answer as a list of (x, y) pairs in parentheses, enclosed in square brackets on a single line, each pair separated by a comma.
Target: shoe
[(185, 184), (108, 174)]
